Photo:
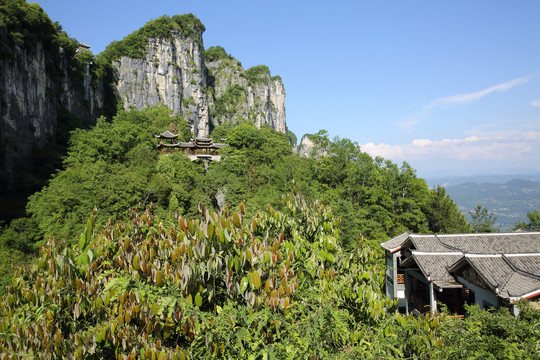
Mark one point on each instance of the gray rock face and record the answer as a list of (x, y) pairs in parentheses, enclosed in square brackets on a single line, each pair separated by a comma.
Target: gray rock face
[(306, 146), (32, 88), (262, 102), (171, 74)]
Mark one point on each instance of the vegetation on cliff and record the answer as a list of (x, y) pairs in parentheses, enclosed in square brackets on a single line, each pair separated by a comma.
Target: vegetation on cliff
[(257, 75), (27, 24), (135, 44), (215, 53)]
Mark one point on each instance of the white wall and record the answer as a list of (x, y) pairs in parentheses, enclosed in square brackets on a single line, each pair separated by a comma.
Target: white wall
[(481, 296)]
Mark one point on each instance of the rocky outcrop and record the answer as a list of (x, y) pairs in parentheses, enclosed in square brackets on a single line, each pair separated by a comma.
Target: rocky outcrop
[(306, 146), (173, 74), (37, 83), (239, 95), (33, 87)]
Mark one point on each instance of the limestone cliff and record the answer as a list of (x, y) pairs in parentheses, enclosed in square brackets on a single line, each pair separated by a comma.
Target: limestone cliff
[(168, 67), (42, 76), (172, 73), (239, 95), (35, 85)]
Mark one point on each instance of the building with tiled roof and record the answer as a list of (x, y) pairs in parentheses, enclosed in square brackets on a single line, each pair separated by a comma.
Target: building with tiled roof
[(195, 149), (491, 270)]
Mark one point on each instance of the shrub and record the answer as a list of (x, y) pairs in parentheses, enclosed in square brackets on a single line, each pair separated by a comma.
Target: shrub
[(216, 53), (135, 44), (257, 75)]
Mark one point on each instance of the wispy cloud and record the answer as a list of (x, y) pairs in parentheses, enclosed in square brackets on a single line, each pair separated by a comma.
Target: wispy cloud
[(466, 98), (408, 123)]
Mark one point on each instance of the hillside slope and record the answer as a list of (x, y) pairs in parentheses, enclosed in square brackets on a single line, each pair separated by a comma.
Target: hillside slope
[(510, 201)]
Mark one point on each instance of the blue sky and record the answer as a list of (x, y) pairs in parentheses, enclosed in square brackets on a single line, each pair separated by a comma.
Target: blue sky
[(451, 87)]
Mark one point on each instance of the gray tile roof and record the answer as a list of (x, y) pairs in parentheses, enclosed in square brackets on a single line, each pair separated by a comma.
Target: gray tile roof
[(494, 243), (528, 264), (430, 243), (395, 243), (435, 266), (515, 272), (518, 286), (167, 135), (493, 269), (512, 276)]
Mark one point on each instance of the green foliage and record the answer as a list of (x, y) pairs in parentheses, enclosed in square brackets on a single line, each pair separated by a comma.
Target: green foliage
[(111, 167), (220, 285), (184, 183), (443, 215), (26, 23), (134, 45), (533, 224), (188, 102), (115, 166), (482, 221), (215, 53), (227, 105), (292, 138), (486, 334), (11, 260), (258, 75)]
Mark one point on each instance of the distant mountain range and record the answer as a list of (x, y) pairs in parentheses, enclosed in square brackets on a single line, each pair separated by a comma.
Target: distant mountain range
[(509, 197), (478, 179)]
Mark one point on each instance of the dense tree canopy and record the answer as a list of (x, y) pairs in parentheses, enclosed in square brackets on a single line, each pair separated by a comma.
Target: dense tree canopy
[(115, 166), (181, 280), (112, 167)]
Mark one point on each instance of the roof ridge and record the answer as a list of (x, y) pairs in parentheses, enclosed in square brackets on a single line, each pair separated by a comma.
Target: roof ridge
[(492, 234), (515, 269), (507, 279), (444, 244), (423, 252)]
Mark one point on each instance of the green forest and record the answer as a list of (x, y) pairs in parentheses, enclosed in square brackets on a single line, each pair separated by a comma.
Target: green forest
[(128, 254), (131, 254)]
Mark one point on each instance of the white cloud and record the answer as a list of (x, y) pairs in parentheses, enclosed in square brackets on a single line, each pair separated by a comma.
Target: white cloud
[(514, 146), (411, 121)]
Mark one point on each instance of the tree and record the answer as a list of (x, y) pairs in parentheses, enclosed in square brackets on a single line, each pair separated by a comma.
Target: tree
[(482, 221), (218, 286), (112, 167), (533, 224), (443, 215)]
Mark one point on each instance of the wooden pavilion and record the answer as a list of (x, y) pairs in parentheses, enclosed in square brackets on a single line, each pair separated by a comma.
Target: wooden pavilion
[(195, 149)]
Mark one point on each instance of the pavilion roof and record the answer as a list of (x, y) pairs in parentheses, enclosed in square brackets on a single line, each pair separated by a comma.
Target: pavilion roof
[(167, 135)]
